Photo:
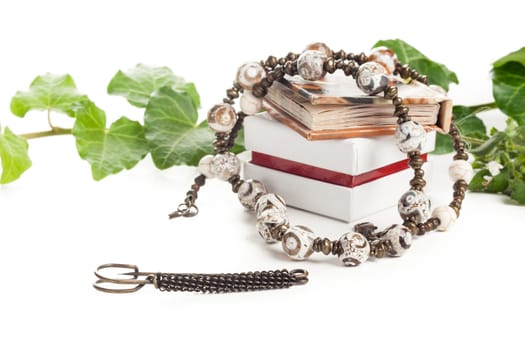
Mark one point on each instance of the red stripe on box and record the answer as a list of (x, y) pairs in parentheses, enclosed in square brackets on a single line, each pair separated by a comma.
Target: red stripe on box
[(325, 175)]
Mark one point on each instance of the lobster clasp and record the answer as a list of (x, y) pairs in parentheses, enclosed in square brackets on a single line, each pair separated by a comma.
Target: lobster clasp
[(131, 282), (185, 210)]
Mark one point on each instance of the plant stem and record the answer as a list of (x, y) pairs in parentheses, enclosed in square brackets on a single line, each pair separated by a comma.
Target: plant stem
[(485, 106), (53, 132)]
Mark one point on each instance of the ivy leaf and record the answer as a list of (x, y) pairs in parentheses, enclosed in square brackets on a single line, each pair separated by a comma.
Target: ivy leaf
[(139, 83), (437, 73), (13, 151), (171, 130), (518, 191), (49, 92), (470, 126), (508, 88), (111, 150), (516, 56)]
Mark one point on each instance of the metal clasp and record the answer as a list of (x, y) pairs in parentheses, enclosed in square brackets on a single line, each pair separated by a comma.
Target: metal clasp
[(120, 285), (185, 210)]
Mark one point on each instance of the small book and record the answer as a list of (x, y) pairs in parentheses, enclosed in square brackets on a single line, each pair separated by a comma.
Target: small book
[(336, 108)]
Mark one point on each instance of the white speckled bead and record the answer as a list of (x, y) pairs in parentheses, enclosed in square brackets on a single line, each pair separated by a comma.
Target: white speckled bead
[(250, 104), (371, 78), (225, 165), (270, 224), (270, 201), (399, 238), (222, 117), (249, 191), (460, 170), (415, 205), (355, 249), (298, 242), (204, 166), (447, 217), (250, 74), (384, 56), (310, 65), (321, 47), (410, 136)]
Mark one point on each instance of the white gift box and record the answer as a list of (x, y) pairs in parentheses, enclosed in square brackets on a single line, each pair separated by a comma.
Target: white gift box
[(345, 179)]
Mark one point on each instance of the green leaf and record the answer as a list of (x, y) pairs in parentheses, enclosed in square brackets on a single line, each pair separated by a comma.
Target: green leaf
[(470, 126), (518, 191), (139, 83), (516, 56), (508, 88), (437, 73), (13, 151), (170, 128), (489, 146), (478, 183), (47, 92), (111, 150)]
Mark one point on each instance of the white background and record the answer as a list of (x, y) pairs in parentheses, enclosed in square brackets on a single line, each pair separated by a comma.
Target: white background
[(457, 289)]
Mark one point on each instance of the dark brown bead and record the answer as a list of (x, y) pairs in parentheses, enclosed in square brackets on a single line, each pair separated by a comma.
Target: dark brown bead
[(419, 172), (362, 58), (416, 162), (460, 185), (290, 68), (336, 247), (421, 229), (423, 79), (339, 64), (411, 226), (401, 110), (266, 82), (271, 61), (227, 100), (418, 183), (462, 156), (326, 246), (195, 187), (391, 92), (281, 61), (200, 180), (278, 73), (397, 101), (350, 56), (259, 90), (291, 56), (414, 74), (329, 65), (237, 87), (232, 93), (340, 55), (404, 71)]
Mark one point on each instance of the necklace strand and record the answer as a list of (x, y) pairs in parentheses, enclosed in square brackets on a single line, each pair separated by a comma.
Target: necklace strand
[(373, 74)]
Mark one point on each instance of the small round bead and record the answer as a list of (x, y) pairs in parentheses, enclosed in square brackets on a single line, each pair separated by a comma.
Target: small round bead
[(204, 166), (298, 242), (354, 249), (250, 74), (250, 104), (270, 223), (399, 239), (410, 136), (310, 65), (249, 191), (371, 78), (447, 217), (222, 117), (270, 201), (460, 170), (225, 165), (321, 47), (414, 205), (385, 57)]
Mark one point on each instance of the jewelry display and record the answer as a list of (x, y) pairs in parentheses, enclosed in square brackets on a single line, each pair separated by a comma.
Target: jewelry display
[(377, 73)]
